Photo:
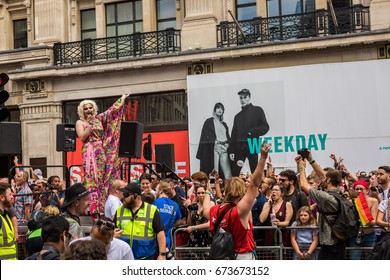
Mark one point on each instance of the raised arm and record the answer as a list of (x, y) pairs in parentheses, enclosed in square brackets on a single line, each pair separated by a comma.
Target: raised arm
[(246, 203), (317, 168)]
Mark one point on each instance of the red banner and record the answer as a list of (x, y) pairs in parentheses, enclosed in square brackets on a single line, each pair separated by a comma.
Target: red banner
[(178, 138)]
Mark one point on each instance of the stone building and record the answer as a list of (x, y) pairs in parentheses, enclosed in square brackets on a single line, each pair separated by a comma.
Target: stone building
[(58, 53)]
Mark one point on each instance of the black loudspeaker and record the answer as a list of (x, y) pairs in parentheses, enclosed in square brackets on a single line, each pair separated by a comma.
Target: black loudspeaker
[(66, 137), (165, 155), (10, 138), (130, 140)]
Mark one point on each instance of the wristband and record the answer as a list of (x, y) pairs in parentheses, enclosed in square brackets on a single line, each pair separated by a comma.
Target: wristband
[(207, 192), (193, 228), (312, 161)]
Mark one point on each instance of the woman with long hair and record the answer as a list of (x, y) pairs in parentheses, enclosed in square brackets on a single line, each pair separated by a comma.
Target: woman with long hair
[(100, 136)]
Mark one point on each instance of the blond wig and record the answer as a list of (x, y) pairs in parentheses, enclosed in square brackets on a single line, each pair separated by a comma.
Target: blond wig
[(80, 108)]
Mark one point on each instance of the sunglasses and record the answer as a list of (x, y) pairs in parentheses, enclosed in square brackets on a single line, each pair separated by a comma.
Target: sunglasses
[(88, 108), (126, 195), (107, 224)]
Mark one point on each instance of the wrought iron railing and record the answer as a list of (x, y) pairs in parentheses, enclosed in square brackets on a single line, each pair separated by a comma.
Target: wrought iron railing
[(113, 48), (313, 24)]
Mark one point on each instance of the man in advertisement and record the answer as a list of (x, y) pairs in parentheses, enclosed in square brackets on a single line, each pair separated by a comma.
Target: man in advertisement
[(250, 122)]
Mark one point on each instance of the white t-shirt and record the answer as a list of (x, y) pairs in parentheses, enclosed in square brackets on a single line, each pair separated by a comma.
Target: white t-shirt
[(112, 204), (119, 249)]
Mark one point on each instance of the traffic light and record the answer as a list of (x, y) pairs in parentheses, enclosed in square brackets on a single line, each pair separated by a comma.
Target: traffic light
[(4, 95)]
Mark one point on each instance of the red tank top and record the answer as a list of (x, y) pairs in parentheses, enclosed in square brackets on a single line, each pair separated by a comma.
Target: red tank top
[(243, 238)]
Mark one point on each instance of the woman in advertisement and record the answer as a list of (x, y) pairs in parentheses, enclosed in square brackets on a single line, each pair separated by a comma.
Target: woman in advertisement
[(100, 136), (214, 143)]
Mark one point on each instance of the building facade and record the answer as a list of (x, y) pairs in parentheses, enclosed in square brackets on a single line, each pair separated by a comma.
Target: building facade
[(58, 53)]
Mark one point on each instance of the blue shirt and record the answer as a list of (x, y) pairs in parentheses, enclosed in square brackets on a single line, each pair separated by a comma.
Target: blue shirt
[(169, 212)]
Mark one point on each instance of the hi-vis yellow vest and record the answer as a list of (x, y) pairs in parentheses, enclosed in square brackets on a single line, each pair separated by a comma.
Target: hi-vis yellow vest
[(7, 239), (138, 230)]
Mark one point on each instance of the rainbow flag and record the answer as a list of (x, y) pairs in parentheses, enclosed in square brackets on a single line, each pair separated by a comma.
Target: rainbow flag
[(363, 209)]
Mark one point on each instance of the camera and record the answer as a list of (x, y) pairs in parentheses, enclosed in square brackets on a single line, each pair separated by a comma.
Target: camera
[(374, 189), (193, 207), (304, 153)]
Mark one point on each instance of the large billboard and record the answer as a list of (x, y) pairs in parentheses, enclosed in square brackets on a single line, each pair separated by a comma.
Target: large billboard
[(339, 108)]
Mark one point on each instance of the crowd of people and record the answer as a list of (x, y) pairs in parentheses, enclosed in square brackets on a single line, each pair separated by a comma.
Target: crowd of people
[(136, 219), (139, 216)]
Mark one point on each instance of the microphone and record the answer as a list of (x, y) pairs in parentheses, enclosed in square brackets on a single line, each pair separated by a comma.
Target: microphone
[(89, 113)]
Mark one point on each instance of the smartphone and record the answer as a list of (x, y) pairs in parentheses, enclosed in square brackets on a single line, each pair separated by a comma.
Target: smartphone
[(212, 180)]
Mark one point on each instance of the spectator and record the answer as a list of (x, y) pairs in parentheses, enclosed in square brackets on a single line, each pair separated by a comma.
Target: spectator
[(288, 178), (169, 211), (238, 219), (34, 241), (142, 226), (283, 212), (382, 219), (384, 182), (55, 237), (76, 204), (114, 199), (86, 250), (196, 219), (304, 240), (24, 199), (146, 184), (7, 236), (331, 247), (56, 195), (103, 230), (40, 200), (369, 237), (256, 211), (266, 186), (155, 182)]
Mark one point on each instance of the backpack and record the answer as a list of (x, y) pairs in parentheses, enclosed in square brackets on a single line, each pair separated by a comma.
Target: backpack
[(222, 245), (381, 251), (346, 224)]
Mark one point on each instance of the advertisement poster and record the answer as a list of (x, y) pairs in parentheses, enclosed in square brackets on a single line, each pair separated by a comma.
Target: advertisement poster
[(338, 108)]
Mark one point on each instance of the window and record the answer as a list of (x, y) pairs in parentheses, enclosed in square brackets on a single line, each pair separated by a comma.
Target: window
[(246, 9), (289, 7), (88, 24), (124, 18), (166, 14), (20, 33), (158, 112)]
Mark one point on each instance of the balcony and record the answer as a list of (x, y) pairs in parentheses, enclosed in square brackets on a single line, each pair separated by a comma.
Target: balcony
[(313, 24), (114, 48)]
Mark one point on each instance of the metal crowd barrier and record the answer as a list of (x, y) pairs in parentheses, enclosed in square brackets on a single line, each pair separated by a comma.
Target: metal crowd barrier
[(183, 251)]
